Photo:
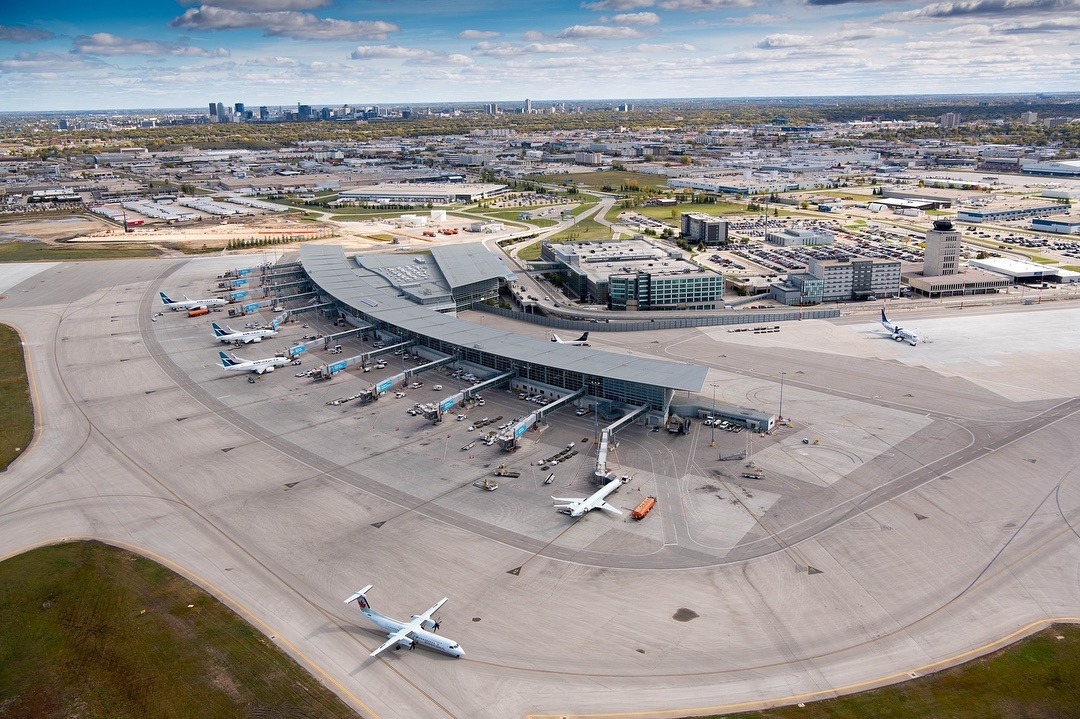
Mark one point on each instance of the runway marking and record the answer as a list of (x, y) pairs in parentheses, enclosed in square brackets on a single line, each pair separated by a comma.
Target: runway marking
[(825, 693)]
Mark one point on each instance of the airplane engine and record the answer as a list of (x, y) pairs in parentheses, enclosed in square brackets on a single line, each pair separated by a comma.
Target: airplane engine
[(405, 643), (430, 624), (270, 368), (898, 338)]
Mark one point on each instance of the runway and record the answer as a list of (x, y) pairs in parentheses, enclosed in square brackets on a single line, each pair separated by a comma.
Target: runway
[(937, 514)]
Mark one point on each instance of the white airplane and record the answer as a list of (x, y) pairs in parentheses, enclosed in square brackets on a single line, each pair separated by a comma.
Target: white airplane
[(189, 304), (581, 341), (235, 364), (230, 335), (899, 333), (578, 506), (408, 634)]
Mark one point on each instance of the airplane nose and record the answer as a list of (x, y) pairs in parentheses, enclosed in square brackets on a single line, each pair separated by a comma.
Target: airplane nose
[(460, 652)]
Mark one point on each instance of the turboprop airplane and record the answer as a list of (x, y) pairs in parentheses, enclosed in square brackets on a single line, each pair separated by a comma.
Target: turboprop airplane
[(899, 333), (578, 506), (230, 335), (581, 341), (407, 634), (189, 304), (235, 364)]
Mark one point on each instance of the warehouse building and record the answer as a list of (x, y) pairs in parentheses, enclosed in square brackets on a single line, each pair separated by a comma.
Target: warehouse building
[(436, 193)]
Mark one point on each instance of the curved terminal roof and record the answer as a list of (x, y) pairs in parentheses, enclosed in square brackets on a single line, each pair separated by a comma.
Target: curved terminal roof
[(373, 296)]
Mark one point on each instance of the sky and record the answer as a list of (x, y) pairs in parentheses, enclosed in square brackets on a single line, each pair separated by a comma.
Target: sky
[(109, 54)]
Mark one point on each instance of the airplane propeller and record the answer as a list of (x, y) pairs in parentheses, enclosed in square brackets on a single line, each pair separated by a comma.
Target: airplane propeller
[(436, 625)]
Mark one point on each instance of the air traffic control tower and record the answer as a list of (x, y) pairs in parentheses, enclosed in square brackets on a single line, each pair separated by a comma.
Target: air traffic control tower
[(369, 291)]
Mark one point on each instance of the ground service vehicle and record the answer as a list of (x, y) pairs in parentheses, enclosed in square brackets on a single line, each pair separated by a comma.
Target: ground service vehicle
[(643, 508)]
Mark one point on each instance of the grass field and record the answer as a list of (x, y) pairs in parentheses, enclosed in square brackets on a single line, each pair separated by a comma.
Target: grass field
[(17, 429), (88, 630), (610, 178), (714, 208), (45, 252), (1037, 678)]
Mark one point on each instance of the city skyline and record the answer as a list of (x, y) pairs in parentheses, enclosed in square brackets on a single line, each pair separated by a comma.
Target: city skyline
[(164, 54)]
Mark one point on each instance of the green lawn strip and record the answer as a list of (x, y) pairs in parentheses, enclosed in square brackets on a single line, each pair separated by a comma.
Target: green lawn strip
[(587, 229), (17, 429), (93, 631), (1042, 260), (45, 252), (529, 253), (1036, 678)]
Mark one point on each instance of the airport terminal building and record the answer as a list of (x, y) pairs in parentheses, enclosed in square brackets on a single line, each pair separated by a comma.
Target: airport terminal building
[(388, 292)]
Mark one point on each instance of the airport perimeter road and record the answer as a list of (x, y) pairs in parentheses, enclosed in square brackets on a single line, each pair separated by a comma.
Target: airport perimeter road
[(938, 514)]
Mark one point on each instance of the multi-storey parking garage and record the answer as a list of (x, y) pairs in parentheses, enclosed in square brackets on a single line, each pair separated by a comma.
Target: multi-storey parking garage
[(367, 296)]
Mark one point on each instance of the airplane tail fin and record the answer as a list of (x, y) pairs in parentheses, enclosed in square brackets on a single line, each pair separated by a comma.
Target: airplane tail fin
[(218, 332), (227, 361), (883, 317), (165, 299), (583, 337), (361, 598)]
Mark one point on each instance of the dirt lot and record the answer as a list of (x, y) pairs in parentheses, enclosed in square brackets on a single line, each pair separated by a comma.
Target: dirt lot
[(51, 228)]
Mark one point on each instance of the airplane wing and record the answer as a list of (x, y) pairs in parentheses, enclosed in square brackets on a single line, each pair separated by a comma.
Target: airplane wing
[(608, 508), (568, 499), (427, 615), (396, 637)]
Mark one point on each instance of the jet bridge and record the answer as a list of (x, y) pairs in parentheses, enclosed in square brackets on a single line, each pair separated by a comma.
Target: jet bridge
[(289, 298), (329, 370), (334, 337), (435, 410), (508, 440), (298, 283), (378, 390), (310, 308), (601, 473)]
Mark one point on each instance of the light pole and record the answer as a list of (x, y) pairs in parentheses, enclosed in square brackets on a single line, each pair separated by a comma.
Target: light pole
[(781, 411), (712, 427)]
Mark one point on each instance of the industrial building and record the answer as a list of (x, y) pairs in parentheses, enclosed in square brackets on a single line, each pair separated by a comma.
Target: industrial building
[(1062, 227), (855, 278), (634, 275), (423, 193), (1023, 272), (1004, 214), (798, 289), (366, 297), (705, 229)]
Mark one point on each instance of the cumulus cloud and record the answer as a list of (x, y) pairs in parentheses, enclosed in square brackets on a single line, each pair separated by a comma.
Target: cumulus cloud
[(780, 41), (11, 33), (635, 18), (601, 32), (368, 52), (47, 63), (617, 4), (968, 8), (665, 47), (478, 34), (700, 5), (276, 61), (511, 49), (299, 25), (1057, 24), (756, 19), (103, 43), (533, 36), (263, 5)]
